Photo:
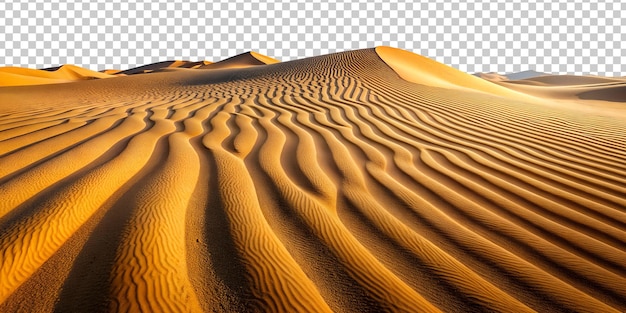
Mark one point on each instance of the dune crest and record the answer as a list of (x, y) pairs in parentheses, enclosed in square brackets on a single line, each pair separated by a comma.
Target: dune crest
[(372, 180), (422, 70)]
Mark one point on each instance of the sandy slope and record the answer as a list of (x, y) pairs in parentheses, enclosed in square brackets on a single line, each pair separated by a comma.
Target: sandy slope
[(325, 184)]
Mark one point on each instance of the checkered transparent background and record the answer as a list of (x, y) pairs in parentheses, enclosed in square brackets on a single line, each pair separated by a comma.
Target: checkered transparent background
[(575, 37)]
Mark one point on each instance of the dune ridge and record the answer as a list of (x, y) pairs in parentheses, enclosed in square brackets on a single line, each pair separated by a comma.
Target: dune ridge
[(350, 182)]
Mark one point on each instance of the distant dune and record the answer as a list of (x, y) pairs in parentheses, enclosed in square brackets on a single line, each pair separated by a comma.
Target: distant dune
[(491, 76), (568, 87), (240, 61), (16, 76), (373, 180), (571, 80), (524, 75)]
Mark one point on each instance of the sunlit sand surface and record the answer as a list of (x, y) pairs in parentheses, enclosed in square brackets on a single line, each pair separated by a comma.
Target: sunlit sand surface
[(363, 181)]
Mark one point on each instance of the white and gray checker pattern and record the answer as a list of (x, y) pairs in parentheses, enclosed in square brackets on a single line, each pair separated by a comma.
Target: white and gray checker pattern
[(564, 36)]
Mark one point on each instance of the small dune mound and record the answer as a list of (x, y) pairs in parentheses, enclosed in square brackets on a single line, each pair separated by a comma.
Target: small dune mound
[(571, 87), (22, 78), (491, 76), (525, 82), (570, 80), (29, 72), (72, 72), (16, 76), (111, 71)]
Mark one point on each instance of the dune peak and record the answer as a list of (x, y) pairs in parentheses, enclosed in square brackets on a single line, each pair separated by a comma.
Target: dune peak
[(419, 69)]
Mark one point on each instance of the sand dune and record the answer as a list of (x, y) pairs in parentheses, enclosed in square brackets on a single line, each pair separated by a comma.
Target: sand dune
[(364, 181), (491, 76), (110, 71), (424, 71), (240, 61), (153, 67), (14, 79), (583, 93), (524, 75), (16, 76), (569, 80)]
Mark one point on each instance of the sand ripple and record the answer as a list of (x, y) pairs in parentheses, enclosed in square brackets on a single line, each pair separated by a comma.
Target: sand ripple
[(324, 184)]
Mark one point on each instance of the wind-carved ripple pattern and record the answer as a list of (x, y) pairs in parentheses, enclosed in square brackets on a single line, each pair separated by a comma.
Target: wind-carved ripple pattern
[(324, 184)]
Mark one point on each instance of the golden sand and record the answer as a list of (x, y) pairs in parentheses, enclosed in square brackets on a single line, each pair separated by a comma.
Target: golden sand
[(364, 181)]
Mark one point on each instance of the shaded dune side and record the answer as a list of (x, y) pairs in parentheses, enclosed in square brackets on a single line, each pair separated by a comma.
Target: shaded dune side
[(324, 184), (614, 93)]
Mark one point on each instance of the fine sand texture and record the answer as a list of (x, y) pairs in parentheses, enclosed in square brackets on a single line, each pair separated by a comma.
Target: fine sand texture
[(373, 180)]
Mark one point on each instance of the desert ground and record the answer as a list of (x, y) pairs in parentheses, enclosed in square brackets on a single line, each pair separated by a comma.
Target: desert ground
[(373, 180)]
